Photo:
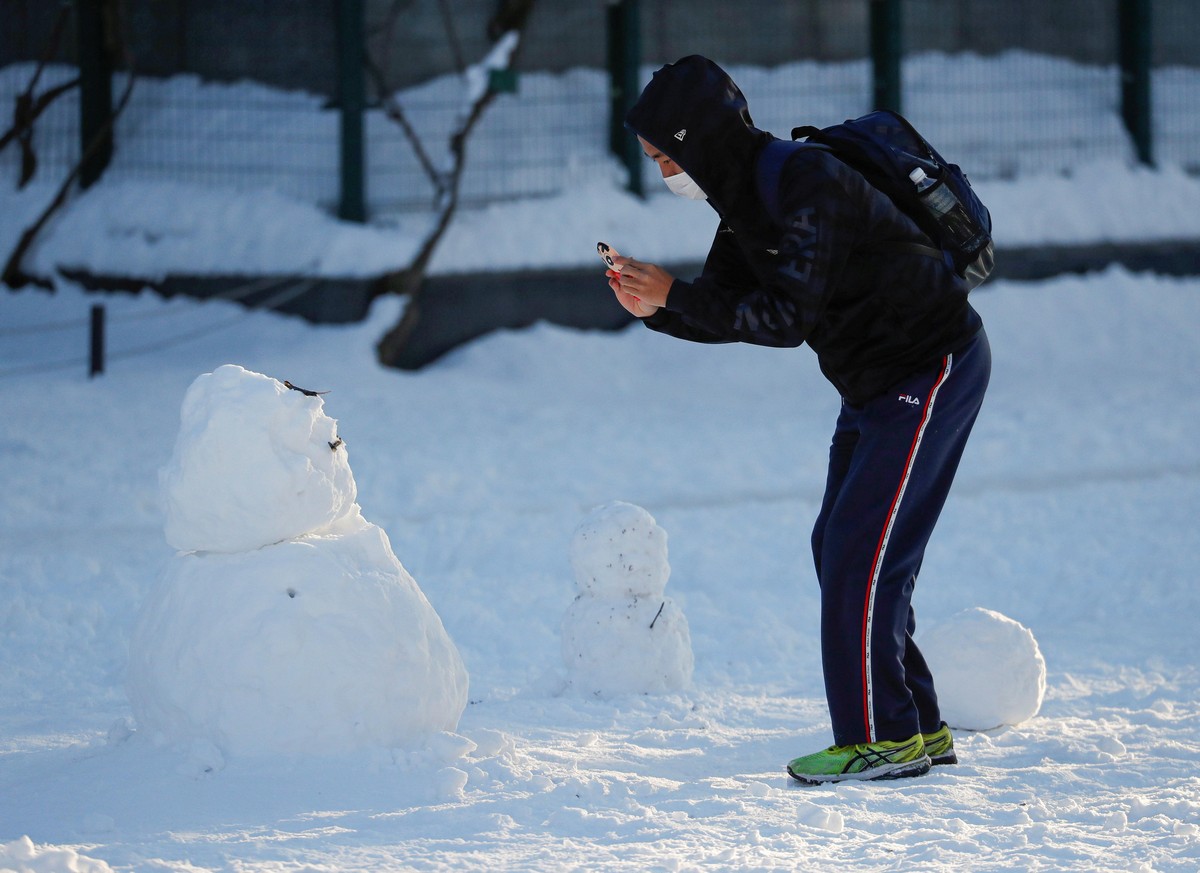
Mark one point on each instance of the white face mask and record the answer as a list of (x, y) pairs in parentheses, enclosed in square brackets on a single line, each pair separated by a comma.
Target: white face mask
[(683, 185)]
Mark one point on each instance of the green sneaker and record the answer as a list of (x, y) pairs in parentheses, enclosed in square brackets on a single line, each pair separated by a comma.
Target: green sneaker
[(939, 746), (882, 760)]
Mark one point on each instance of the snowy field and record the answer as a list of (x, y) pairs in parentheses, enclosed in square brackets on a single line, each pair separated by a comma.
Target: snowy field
[(1074, 514)]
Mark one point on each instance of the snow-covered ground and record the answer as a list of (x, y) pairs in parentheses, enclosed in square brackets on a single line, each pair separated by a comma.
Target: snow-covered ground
[(1074, 515)]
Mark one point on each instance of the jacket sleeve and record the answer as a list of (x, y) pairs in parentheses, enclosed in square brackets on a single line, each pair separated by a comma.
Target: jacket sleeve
[(725, 258), (777, 306)]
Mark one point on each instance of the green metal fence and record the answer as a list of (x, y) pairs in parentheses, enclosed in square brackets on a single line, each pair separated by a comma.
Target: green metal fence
[(256, 101)]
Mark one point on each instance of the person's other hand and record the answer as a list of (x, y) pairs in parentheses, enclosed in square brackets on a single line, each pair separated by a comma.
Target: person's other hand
[(632, 303), (647, 285)]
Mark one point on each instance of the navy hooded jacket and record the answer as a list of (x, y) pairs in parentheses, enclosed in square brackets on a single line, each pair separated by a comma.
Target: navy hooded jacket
[(873, 315)]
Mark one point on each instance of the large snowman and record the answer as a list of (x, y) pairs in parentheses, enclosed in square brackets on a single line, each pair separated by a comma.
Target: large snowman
[(622, 634), (285, 624)]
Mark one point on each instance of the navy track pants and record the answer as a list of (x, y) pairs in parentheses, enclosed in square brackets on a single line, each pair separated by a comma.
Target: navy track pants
[(891, 465)]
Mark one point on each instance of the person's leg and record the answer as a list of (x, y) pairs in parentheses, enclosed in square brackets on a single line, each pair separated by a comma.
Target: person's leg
[(881, 761), (872, 541), (841, 453), (919, 680)]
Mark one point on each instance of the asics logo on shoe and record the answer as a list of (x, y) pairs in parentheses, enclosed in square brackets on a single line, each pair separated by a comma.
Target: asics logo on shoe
[(863, 761)]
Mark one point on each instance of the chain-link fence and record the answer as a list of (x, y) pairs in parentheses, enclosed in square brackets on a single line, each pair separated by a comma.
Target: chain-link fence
[(244, 95)]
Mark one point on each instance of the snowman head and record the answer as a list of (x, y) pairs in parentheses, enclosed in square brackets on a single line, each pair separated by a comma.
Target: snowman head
[(620, 551), (255, 463)]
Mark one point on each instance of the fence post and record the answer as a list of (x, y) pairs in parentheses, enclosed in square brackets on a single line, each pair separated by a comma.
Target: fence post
[(1133, 25), (886, 51), (352, 100), (95, 89), (96, 345), (624, 61)]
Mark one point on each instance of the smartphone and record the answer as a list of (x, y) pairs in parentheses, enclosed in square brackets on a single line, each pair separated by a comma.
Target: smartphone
[(607, 253)]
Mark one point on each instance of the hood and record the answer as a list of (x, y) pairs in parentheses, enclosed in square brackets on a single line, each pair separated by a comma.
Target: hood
[(694, 114)]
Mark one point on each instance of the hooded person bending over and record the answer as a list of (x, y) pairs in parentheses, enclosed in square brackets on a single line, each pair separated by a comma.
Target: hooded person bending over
[(895, 335)]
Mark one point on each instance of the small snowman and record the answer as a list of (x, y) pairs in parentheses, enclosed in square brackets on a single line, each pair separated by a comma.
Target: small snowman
[(284, 624), (622, 634)]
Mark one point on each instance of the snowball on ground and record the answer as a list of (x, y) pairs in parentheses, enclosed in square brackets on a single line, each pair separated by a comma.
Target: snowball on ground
[(319, 645), (254, 463), (987, 667), (619, 550)]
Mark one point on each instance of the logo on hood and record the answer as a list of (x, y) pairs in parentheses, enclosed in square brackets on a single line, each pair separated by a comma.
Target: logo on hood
[(680, 134)]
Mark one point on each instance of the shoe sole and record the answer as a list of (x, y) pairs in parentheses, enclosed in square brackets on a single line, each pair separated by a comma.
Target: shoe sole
[(902, 770), (948, 758)]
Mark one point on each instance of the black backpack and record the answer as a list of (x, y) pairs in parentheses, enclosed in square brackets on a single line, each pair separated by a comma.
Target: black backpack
[(887, 150)]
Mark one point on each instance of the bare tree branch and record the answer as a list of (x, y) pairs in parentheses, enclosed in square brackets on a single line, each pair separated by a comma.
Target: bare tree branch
[(409, 281), (394, 111), (510, 15), (26, 109), (13, 275), (387, 28), (460, 63)]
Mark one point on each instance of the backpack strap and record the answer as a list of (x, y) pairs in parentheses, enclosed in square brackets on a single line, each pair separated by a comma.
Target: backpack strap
[(770, 166), (912, 248)]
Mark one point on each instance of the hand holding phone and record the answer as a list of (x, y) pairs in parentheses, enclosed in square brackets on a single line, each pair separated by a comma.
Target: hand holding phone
[(630, 301), (607, 253)]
